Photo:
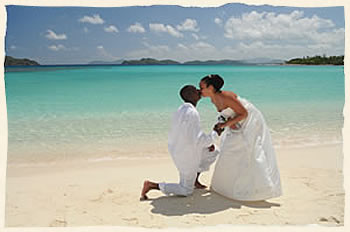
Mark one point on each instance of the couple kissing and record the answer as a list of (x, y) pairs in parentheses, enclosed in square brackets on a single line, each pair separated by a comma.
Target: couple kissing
[(246, 167)]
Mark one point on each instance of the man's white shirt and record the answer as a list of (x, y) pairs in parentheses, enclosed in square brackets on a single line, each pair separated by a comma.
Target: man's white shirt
[(186, 139)]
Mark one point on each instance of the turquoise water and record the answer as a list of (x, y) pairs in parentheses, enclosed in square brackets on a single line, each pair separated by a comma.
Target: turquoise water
[(124, 111)]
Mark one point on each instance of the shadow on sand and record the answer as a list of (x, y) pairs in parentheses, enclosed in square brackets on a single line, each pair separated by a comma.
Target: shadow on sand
[(202, 202)]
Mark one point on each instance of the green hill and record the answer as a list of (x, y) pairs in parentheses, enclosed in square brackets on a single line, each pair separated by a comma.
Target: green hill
[(318, 60), (10, 61)]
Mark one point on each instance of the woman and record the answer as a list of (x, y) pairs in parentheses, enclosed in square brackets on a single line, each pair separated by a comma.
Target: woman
[(246, 169)]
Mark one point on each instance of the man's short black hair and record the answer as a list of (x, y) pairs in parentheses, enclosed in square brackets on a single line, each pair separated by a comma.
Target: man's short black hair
[(188, 92)]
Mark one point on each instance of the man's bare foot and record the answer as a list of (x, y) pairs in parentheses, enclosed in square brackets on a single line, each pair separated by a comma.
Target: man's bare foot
[(199, 185), (145, 190), (143, 198)]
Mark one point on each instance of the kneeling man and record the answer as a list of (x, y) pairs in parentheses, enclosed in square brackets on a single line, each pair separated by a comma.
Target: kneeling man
[(190, 148)]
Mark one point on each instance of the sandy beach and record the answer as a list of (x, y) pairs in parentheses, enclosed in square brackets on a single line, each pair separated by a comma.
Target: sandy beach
[(107, 193)]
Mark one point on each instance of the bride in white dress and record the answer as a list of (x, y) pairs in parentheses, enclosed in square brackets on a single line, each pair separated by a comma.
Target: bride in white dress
[(246, 169)]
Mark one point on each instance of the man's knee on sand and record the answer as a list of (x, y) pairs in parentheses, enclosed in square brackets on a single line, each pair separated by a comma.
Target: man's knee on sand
[(176, 189), (185, 192)]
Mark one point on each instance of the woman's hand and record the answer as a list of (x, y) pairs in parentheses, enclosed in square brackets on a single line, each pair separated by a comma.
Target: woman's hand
[(211, 148), (234, 127), (218, 129), (219, 125)]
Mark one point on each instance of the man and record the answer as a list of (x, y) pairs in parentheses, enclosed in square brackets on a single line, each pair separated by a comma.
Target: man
[(187, 144)]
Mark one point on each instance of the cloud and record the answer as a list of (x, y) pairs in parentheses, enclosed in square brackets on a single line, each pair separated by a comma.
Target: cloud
[(198, 37), (334, 37), (136, 28), (158, 28), (248, 50), (218, 21), (172, 31), (157, 48), (293, 27), (202, 46), (57, 48), (252, 35), (13, 47), (188, 25), (269, 34), (111, 29), (101, 52), (86, 30), (182, 46), (155, 51), (53, 36), (61, 47), (95, 19), (195, 36), (180, 52)]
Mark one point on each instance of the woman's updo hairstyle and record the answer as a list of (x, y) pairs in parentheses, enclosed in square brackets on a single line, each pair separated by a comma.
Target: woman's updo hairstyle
[(214, 80)]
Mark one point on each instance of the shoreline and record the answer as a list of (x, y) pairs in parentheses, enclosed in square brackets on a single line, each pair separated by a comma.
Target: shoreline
[(107, 193), (149, 151)]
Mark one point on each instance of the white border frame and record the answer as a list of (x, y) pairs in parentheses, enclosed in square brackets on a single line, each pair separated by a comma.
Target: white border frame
[(188, 3)]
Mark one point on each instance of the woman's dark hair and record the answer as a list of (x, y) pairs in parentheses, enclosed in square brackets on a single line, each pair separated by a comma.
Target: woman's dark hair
[(214, 80)]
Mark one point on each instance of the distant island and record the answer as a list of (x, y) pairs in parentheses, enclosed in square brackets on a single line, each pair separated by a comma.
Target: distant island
[(151, 61), (315, 60), (100, 62), (318, 60), (216, 62), (10, 61)]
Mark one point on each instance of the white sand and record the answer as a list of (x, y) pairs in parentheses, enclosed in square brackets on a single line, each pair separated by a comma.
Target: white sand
[(107, 193)]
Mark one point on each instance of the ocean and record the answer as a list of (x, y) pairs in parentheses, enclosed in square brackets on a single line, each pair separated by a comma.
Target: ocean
[(123, 112)]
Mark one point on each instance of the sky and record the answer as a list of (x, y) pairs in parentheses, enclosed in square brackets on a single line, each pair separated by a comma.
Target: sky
[(79, 35)]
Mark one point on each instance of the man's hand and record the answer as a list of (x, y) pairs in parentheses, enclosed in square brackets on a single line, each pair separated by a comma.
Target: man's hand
[(211, 148)]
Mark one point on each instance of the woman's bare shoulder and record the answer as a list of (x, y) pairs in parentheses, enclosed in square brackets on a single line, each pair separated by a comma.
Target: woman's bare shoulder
[(229, 94)]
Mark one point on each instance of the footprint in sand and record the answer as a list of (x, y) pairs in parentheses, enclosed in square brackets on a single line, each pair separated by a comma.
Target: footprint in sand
[(330, 219), (244, 214), (310, 185), (197, 218), (335, 219), (73, 185), (102, 195), (99, 198), (58, 223), (131, 220)]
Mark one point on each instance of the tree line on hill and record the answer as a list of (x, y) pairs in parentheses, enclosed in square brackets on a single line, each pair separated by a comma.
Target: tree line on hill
[(318, 60)]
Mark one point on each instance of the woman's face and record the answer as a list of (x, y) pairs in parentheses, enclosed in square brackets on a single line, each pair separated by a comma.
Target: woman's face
[(205, 90)]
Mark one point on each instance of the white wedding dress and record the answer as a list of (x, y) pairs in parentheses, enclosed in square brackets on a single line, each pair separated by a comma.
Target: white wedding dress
[(246, 168)]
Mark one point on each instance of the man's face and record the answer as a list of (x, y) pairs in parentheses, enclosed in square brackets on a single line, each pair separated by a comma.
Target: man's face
[(197, 95)]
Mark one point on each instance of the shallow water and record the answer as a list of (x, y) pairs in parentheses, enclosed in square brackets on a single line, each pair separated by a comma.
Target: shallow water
[(124, 111)]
